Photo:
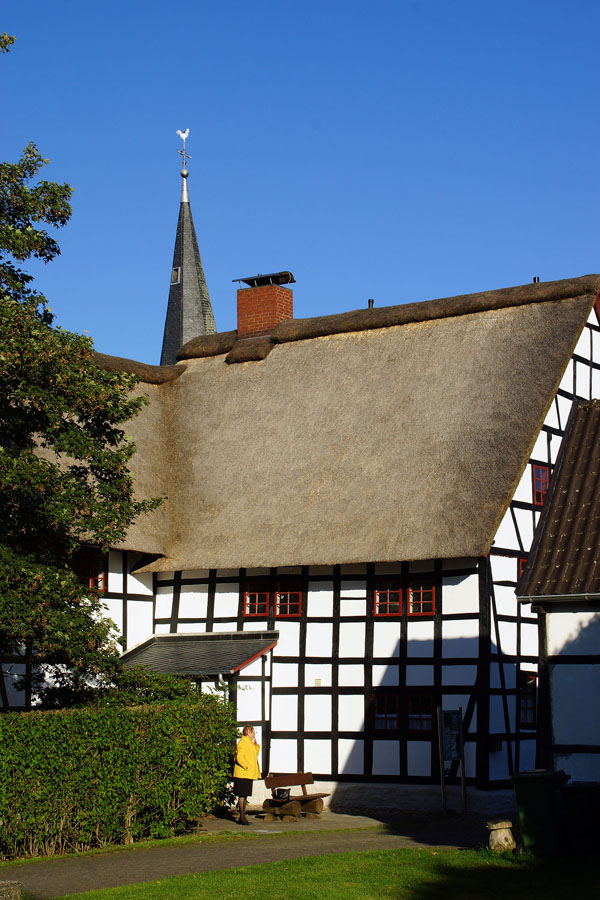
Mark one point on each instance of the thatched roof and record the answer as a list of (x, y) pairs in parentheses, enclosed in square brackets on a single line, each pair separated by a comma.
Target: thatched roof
[(390, 434), (565, 560)]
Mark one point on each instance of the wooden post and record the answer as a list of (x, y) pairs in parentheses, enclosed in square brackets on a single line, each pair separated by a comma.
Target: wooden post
[(441, 754), (463, 788)]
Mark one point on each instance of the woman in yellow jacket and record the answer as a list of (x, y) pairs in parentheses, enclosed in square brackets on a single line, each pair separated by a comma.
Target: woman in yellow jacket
[(246, 769)]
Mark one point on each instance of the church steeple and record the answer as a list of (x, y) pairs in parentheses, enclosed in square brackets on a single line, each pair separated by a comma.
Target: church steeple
[(189, 311)]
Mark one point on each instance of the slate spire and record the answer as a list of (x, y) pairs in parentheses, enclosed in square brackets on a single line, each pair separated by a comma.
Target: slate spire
[(189, 311)]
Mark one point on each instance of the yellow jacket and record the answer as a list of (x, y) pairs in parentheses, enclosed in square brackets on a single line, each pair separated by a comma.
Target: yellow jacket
[(246, 759)]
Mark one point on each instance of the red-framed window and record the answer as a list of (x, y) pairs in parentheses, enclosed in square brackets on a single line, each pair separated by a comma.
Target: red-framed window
[(288, 604), (387, 601), (419, 713), (385, 706), (421, 600), (541, 480), (91, 566), (256, 604), (527, 699), (521, 566)]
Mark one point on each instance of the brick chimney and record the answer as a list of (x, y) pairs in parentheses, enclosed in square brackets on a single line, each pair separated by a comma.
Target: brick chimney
[(264, 303)]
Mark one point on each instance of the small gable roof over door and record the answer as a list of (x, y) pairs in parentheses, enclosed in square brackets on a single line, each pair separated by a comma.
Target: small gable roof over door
[(213, 653)]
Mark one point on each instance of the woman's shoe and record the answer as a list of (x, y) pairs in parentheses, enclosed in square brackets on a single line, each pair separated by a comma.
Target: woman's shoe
[(244, 822)]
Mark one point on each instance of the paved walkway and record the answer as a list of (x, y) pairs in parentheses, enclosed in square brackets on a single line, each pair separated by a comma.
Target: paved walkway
[(262, 842)]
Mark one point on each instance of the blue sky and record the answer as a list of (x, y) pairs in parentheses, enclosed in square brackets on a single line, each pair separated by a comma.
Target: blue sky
[(395, 150)]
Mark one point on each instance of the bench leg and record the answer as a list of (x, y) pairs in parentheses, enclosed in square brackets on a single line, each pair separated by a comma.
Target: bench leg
[(291, 808), (313, 806)]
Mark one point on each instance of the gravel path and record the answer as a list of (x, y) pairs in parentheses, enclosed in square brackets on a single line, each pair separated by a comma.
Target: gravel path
[(57, 877)]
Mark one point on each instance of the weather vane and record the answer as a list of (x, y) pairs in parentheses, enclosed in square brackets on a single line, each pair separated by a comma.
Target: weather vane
[(183, 135)]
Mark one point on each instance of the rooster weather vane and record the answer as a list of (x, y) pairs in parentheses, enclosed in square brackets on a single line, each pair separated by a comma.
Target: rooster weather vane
[(183, 135)]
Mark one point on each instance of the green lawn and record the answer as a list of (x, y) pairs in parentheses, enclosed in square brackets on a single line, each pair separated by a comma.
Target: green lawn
[(419, 874)]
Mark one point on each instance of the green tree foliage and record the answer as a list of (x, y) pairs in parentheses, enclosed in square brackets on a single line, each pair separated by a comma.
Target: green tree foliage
[(64, 473)]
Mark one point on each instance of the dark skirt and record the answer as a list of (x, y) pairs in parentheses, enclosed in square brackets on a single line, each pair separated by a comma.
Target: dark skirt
[(242, 787)]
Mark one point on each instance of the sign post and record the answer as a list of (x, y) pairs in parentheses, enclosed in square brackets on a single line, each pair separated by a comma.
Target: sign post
[(451, 749)]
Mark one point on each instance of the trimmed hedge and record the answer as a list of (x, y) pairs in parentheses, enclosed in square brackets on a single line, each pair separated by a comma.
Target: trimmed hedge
[(82, 778)]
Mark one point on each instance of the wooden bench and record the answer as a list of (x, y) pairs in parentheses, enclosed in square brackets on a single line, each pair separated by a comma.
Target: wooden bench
[(294, 806)]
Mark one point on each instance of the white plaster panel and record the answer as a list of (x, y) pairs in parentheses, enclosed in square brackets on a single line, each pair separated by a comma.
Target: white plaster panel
[(460, 638), (584, 344), (319, 638), (525, 525), (285, 674), (529, 639), (284, 712), (139, 621), (193, 602), (320, 570), (385, 675), (573, 633), (351, 712), (504, 568), (596, 382), (497, 713), (320, 599), (225, 627), (115, 572), (289, 638), (420, 638), (353, 607), (539, 451), (499, 764), (386, 638), (228, 573), (506, 535), (317, 671), (289, 570), (350, 757), (140, 584), (317, 756), (460, 593), (227, 600), (352, 639), (580, 766), (353, 589), (527, 756), (454, 701), (508, 637), (459, 675), (317, 712), (506, 599), (552, 417), (510, 675), (566, 383), (564, 406), (254, 625), (574, 692), (164, 603), (260, 572), (164, 576), (419, 675), (162, 629), (255, 668), (418, 757), (248, 699), (555, 442), (386, 758), (284, 755), (191, 627), (351, 675), (114, 611)]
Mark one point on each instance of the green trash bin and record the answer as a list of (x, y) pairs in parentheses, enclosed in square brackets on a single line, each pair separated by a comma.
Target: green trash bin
[(538, 802)]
